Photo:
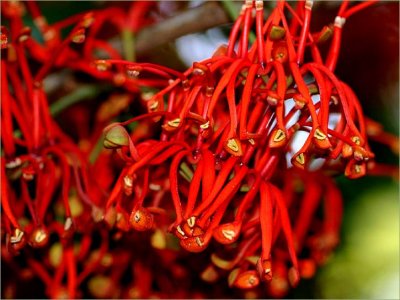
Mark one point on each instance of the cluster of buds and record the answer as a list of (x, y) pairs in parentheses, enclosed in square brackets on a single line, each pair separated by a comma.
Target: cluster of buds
[(232, 158), (38, 157), (50, 197), (40, 165), (231, 133)]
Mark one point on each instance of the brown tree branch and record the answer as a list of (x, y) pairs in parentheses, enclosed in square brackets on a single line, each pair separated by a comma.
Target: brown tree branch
[(206, 16)]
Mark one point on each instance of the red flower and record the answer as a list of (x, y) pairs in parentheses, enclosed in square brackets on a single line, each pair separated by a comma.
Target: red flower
[(213, 157)]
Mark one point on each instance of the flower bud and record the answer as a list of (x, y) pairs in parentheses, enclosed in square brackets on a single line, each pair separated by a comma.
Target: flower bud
[(227, 233), (115, 136), (141, 219), (247, 280)]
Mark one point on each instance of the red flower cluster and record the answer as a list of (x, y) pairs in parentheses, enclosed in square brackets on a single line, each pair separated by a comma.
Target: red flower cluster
[(234, 157), (228, 123)]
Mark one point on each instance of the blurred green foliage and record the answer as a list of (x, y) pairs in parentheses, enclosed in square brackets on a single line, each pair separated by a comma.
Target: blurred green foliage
[(366, 265)]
